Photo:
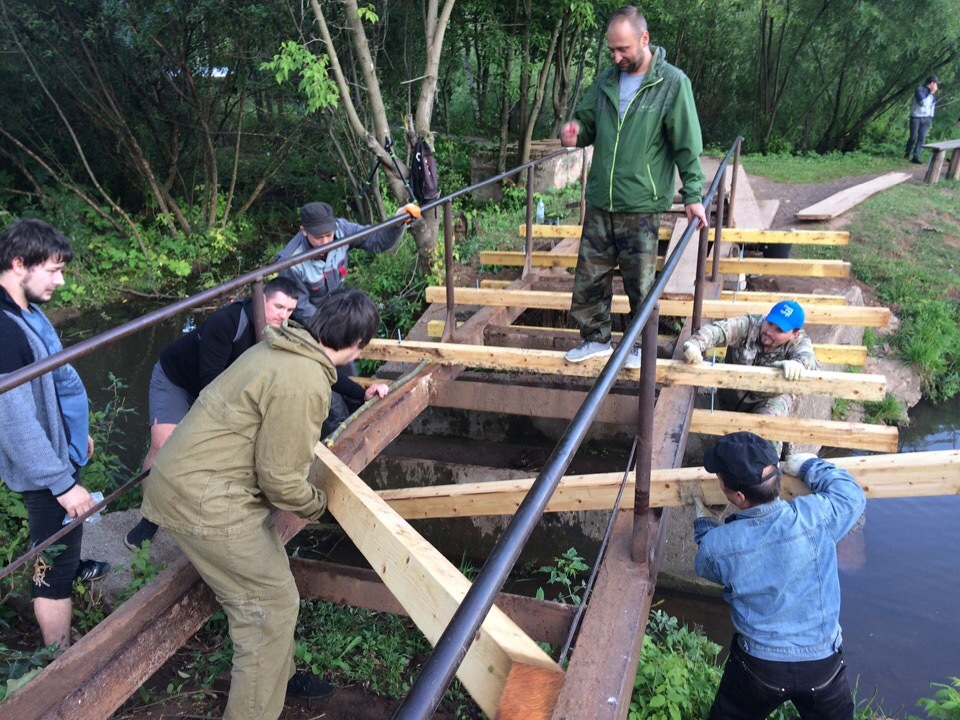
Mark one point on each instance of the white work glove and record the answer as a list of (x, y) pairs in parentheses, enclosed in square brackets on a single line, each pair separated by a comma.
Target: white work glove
[(792, 369), (691, 352), (792, 464)]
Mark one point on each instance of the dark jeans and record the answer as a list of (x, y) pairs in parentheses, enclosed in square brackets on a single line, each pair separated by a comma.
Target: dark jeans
[(752, 688), (918, 135), (45, 517)]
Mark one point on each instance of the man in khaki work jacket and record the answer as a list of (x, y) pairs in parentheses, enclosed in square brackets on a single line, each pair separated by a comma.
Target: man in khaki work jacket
[(641, 119), (245, 447)]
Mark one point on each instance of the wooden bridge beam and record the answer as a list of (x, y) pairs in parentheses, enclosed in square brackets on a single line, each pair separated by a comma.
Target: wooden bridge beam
[(741, 377), (863, 316)]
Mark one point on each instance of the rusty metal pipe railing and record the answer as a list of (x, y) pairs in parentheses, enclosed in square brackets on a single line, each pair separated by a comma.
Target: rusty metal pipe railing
[(456, 639), (450, 327), (717, 235), (646, 400), (731, 221)]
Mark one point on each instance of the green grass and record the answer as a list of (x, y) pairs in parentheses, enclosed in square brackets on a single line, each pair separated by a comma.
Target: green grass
[(905, 246), (806, 169)]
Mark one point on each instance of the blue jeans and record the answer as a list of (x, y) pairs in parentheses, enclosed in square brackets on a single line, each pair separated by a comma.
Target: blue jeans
[(752, 688), (918, 135)]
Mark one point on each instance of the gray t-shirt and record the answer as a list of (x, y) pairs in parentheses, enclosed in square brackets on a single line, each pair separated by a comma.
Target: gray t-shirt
[(629, 84)]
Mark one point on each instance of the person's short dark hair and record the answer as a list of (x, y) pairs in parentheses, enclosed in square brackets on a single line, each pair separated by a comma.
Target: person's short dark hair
[(630, 14), (282, 285), (740, 460), (343, 319), (932, 79), (317, 218), (34, 242)]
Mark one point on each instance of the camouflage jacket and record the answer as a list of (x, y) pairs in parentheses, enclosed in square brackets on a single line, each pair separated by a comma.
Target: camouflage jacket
[(741, 335)]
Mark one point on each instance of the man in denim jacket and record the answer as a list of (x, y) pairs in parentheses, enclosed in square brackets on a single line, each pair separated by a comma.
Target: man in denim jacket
[(777, 562)]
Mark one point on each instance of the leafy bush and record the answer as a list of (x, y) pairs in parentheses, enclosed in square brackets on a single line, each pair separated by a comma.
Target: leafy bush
[(945, 704), (678, 673)]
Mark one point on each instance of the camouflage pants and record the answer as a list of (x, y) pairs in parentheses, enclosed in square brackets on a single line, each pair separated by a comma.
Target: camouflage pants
[(609, 239)]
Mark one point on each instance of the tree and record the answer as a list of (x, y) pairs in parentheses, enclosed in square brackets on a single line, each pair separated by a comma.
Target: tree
[(350, 67)]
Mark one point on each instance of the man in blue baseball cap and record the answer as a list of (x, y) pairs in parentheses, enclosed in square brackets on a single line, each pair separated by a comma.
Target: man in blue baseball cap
[(775, 340)]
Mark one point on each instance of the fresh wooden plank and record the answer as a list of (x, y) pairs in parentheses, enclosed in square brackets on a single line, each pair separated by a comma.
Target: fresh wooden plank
[(845, 199), (728, 266), (741, 377), (881, 476), (832, 433), (855, 355), (426, 583), (784, 237), (775, 297), (734, 235), (859, 315), (919, 474)]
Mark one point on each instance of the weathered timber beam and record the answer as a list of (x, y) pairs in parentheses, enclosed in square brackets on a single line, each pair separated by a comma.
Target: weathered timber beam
[(622, 410), (881, 476), (102, 669), (728, 266), (734, 235), (741, 377), (426, 583), (543, 620), (531, 401), (860, 316)]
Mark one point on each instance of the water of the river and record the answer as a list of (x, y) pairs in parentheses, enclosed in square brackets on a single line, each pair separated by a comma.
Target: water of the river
[(900, 578)]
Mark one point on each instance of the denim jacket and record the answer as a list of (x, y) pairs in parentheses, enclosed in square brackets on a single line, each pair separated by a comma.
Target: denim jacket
[(777, 563)]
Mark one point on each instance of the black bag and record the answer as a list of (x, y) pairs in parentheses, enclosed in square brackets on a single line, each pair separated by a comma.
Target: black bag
[(423, 172)]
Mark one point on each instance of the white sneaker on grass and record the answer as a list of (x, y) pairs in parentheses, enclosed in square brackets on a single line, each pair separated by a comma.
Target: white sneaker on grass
[(587, 350)]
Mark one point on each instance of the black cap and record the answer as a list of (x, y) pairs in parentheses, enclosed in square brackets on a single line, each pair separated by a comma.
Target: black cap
[(740, 458), (317, 218), (932, 78)]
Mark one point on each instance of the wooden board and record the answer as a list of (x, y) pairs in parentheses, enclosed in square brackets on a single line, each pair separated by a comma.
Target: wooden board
[(427, 584), (831, 433), (728, 266), (775, 297), (881, 476), (828, 354), (861, 316), (742, 377), (752, 236), (845, 199)]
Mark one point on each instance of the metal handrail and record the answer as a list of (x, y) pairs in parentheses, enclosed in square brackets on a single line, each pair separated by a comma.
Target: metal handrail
[(451, 648)]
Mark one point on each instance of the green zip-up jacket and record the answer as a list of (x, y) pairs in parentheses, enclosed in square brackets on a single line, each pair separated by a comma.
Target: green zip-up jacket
[(634, 158), (247, 443)]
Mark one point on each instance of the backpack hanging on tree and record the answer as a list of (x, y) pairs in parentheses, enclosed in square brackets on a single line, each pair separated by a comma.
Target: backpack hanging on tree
[(423, 172)]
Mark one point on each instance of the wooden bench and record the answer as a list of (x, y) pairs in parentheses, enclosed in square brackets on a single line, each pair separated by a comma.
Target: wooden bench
[(936, 161)]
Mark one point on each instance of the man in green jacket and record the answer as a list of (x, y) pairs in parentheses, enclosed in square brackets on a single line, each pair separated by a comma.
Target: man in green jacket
[(244, 448), (642, 121)]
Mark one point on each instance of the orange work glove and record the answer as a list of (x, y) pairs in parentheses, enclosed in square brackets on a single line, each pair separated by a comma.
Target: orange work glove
[(413, 210)]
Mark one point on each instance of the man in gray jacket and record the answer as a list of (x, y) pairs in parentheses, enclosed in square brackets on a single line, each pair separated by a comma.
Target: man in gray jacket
[(44, 423), (317, 278)]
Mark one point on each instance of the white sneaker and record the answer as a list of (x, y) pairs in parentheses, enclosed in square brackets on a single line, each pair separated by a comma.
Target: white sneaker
[(587, 350), (633, 359)]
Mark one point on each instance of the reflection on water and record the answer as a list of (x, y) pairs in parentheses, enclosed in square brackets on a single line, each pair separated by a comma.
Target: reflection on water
[(900, 580)]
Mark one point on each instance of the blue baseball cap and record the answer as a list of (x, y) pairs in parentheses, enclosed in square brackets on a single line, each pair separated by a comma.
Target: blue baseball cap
[(786, 315)]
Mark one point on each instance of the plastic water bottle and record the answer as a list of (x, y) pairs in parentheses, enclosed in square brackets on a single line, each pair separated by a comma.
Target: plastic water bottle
[(540, 212), (97, 498)]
